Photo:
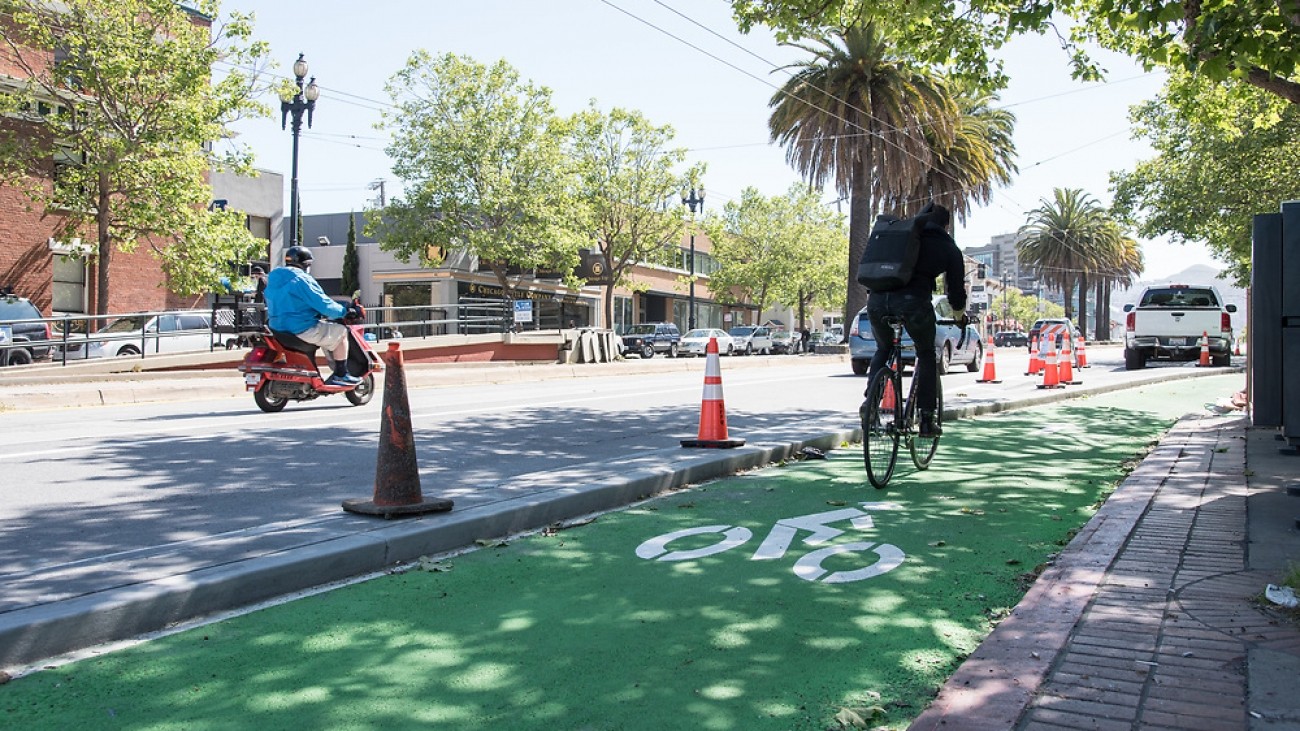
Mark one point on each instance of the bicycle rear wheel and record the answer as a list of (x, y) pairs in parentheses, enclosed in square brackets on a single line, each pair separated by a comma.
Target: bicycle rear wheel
[(880, 416), (923, 448)]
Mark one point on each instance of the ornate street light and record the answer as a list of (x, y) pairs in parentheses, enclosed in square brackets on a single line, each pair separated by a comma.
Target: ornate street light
[(692, 203), (303, 100)]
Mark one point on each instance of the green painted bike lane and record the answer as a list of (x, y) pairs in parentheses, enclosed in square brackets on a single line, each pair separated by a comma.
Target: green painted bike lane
[(792, 597)]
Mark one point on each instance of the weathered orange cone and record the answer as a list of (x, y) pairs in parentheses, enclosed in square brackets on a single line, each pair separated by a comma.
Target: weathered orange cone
[(1051, 378), (888, 400), (1237, 348), (1065, 368), (397, 474), (1204, 362), (713, 413), (1081, 353), (990, 370), (1035, 356)]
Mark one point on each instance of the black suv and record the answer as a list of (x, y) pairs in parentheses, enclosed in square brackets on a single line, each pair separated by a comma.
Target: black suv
[(649, 338), (16, 336)]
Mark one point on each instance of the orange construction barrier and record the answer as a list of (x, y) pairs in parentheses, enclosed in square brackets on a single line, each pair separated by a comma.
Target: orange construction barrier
[(1080, 354), (1035, 356), (1204, 362), (713, 413), (1051, 378), (990, 370), (397, 473), (1065, 369)]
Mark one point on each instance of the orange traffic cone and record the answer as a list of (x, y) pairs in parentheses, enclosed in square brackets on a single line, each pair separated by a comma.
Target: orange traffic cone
[(990, 370), (1205, 350), (1237, 349), (397, 474), (888, 400), (1035, 356), (1051, 378), (1065, 369), (713, 414), (1081, 354)]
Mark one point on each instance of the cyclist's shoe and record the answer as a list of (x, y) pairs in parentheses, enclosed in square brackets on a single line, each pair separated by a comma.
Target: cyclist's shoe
[(929, 425)]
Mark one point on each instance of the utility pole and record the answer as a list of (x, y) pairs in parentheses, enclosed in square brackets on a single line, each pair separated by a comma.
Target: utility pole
[(378, 184)]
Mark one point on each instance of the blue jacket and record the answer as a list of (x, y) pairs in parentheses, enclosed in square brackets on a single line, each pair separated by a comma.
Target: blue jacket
[(295, 301)]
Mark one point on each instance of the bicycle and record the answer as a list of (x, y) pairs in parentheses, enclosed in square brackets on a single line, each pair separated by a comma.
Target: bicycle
[(888, 420)]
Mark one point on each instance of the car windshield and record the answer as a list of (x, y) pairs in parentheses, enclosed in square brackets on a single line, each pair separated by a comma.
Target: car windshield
[(700, 334), (1178, 297), (125, 325), (740, 331), (641, 330)]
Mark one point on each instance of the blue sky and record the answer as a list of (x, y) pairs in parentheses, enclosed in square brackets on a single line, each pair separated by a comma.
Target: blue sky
[(681, 64)]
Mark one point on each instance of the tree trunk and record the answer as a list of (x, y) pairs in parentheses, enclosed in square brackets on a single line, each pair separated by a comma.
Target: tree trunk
[(1083, 302), (102, 220), (1102, 317), (608, 324), (1067, 298), (861, 215)]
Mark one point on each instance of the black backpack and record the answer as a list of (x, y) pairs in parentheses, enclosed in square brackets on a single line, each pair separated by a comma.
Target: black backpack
[(892, 250)]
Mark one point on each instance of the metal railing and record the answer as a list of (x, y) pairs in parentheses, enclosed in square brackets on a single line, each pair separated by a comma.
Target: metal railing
[(77, 338)]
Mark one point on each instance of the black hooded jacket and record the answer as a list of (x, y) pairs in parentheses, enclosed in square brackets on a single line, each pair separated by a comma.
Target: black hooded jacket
[(939, 255)]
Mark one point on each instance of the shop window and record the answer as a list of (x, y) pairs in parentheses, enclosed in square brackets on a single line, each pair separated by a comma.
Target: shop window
[(69, 286)]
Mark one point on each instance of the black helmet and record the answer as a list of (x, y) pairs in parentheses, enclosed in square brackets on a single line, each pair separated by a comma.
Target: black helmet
[(298, 256)]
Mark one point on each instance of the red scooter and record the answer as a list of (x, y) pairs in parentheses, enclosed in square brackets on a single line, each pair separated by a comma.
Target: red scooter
[(281, 368)]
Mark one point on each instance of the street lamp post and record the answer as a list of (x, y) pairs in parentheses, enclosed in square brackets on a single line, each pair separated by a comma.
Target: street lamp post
[(303, 100), (692, 202)]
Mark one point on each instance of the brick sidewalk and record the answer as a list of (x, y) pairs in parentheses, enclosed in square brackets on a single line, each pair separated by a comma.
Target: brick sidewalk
[(1147, 619)]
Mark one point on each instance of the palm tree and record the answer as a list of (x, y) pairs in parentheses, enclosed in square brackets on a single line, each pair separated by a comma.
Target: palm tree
[(1061, 240), (979, 154), (1120, 270), (853, 115)]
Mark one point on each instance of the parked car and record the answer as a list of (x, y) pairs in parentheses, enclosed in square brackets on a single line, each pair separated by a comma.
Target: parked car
[(1010, 339), (948, 343), (172, 332), (750, 339), (21, 342), (784, 341), (696, 342), (649, 338)]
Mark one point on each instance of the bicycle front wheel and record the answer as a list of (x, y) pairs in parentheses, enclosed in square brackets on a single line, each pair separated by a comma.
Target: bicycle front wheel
[(881, 414), (923, 448)]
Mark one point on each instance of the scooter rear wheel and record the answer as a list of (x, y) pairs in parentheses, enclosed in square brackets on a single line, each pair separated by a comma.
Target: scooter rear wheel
[(361, 395), (268, 403)]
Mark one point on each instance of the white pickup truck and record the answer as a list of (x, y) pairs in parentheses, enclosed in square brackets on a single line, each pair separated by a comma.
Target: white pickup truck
[(1168, 320)]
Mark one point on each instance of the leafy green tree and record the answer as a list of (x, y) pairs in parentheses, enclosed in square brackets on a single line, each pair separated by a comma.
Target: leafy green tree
[(851, 116), (626, 190), (1224, 152), (481, 154), (351, 280), (1250, 40), (120, 94), (755, 249)]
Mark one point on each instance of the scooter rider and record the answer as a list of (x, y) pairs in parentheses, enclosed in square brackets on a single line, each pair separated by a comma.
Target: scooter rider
[(296, 304)]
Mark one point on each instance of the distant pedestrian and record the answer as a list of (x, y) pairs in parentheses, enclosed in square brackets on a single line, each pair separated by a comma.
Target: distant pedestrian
[(804, 337)]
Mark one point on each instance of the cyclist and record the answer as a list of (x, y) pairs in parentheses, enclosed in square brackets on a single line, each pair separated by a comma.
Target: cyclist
[(939, 255), (297, 304)]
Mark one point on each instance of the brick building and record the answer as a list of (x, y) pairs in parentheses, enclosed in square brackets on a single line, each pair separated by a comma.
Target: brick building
[(58, 273)]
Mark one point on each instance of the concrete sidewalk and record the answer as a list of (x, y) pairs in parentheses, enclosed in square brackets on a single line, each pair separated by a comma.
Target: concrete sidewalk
[(1152, 617)]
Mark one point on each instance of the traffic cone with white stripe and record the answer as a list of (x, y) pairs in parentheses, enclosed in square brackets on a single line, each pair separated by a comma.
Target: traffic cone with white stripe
[(1081, 354), (990, 370), (1051, 378), (1035, 356), (1065, 368), (888, 400), (1204, 362), (713, 413)]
